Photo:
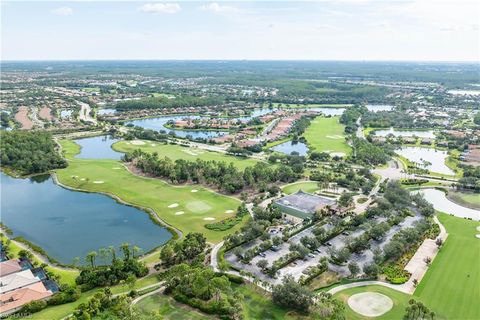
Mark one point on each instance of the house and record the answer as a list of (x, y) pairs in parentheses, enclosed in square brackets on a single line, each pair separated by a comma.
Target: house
[(10, 266), (17, 280), (301, 206), (13, 301), (426, 141)]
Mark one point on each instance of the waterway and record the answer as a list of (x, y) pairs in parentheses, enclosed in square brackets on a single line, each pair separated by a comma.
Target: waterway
[(69, 224), (436, 158), (99, 147), (441, 203), (290, 146)]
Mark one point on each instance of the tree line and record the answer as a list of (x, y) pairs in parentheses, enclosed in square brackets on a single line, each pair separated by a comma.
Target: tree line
[(225, 177), (167, 103), (29, 152)]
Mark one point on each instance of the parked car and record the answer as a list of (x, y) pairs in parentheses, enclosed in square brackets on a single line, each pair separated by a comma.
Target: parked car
[(262, 254), (311, 255)]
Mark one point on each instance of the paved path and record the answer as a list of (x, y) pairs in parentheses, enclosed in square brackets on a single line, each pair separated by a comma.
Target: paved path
[(40, 257), (214, 255), (85, 112), (137, 299)]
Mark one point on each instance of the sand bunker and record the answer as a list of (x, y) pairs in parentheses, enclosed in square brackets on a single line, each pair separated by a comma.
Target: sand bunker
[(337, 137), (98, 181), (478, 228), (153, 144), (370, 304), (338, 154), (208, 219), (229, 211), (478, 236), (116, 168), (83, 179), (179, 213), (194, 190), (138, 142), (173, 205)]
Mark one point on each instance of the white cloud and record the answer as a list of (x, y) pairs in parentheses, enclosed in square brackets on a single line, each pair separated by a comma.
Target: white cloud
[(217, 8), (63, 11), (168, 8)]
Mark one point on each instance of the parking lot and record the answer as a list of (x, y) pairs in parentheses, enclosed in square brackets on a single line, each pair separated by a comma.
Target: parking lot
[(297, 267)]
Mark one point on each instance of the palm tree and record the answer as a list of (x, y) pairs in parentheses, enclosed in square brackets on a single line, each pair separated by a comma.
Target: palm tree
[(91, 258)]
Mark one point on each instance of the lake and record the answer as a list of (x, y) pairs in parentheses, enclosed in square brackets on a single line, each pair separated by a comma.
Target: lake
[(99, 147), (158, 124), (69, 224), (64, 113), (405, 133), (435, 157), (379, 107), (290, 146), (328, 111), (441, 203)]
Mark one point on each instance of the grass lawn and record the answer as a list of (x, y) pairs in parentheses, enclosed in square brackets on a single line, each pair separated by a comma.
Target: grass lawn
[(326, 134), (468, 199), (400, 302), (66, 276), (307, 186), (175, 152), (61, 311), (169, 308), (258, 305), (166, 200), (451, 284)]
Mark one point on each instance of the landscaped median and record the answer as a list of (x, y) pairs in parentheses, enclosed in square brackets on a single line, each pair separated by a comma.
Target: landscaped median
[(187, 207)]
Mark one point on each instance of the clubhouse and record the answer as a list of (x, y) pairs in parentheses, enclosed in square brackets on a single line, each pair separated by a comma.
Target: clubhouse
[(301, 206)]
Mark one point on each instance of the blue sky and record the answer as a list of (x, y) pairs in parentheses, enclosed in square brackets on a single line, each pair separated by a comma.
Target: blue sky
[(432, 30)]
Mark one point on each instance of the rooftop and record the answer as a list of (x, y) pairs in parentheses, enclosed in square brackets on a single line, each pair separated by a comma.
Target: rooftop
[(17, 298), (17, 280), (304, 202)]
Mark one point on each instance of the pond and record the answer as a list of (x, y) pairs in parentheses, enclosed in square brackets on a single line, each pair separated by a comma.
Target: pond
[(99, 147), (435, 157), (69, 224), (405, 133), (290, 146), (441, 203), (329, 111), (379, 107), (106, 111), (64, 113), (158, 124)]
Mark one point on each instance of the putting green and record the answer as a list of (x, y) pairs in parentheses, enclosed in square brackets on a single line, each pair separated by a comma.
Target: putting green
[(198, 206), (149, 193), (327, 134), (174, 152)]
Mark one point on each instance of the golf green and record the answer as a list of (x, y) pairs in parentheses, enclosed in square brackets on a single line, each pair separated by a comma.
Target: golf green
[(307, 186), (327, 135), (187, 207), (174, 152)]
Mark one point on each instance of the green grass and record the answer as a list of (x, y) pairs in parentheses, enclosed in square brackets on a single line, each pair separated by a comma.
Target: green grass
[(326, 134), (66, 276), (149, 193), (307, 186), (468, 199), (451, 285), (400, 302), (258, 305), (175, 152), (61, 311), (169, 308)]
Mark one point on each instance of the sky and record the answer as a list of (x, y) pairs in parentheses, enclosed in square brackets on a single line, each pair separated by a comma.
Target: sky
[(405, 30)]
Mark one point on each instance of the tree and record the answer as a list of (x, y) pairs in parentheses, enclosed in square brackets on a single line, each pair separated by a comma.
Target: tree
[(91, 258), (125, 247), (346, 199), (439, 241), (167, 254), (354, 268), (130, 281), (262, 264), (371, 270), (290, 294), (25, 254)]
